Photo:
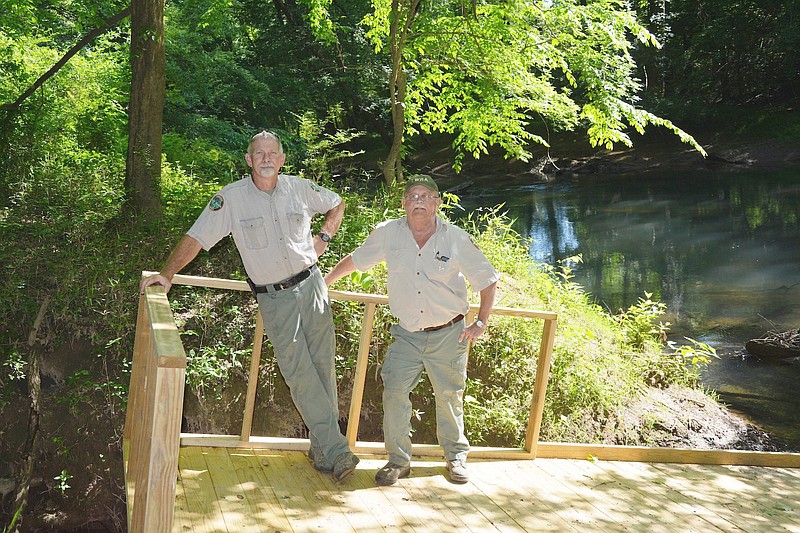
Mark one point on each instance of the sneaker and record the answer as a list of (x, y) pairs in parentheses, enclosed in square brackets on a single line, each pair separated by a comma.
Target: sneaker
[(390, 473), (458, 471), (319, 460), (344, 465)]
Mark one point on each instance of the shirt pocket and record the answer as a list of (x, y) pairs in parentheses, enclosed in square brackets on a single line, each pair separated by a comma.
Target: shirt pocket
[(441, 268), (299, 224), (254, 232)]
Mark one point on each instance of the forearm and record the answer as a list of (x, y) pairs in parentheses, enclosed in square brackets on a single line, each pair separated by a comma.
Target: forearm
[(343, 268), (487, 302), (333, 219), (186, 250)]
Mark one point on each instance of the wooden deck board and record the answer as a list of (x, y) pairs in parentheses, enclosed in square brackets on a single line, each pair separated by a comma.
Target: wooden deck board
[(268, 509), (524, 508), (753, 498), (233, 490), (391, 508), (656, 505), (203, 511)]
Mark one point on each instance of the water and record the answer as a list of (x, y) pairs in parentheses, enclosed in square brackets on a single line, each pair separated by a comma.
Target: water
[(722, 250)]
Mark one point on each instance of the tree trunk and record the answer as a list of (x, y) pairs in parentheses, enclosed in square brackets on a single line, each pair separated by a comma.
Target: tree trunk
[(35, 389), (146, 110), (393, 166), (403, 13)]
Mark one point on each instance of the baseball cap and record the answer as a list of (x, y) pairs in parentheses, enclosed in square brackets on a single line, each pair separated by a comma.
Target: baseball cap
[(421, 179)]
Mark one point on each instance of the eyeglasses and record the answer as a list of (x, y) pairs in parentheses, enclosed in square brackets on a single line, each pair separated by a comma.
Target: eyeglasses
[(424, 197)]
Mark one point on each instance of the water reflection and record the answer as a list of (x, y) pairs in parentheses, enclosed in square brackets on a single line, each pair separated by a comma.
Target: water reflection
[(722, 250)]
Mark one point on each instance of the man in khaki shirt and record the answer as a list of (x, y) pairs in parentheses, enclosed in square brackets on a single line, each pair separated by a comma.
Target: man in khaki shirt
[(269, 215), (427, 261)]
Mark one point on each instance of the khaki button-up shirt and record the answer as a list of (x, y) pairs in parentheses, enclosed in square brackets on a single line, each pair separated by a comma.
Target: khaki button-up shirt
[(426, 285), (272, 230)]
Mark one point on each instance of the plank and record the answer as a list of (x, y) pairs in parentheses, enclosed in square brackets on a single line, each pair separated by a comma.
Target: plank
[(647, 512), (320, 488), (268, 511), (392, 513), (221, 490), (413, 515), (754, 498), (524, 497), (181, 518), (611, 497), (573, 502), (238, 501), (645, 480), (427, 487), (299, 511), (202, 506)]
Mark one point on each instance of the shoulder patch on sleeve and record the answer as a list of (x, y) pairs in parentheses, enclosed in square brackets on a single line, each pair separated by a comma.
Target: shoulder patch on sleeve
[(314, 185), (216, 203)]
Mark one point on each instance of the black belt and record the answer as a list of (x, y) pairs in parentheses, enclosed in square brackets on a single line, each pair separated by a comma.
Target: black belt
[(457, 319), (281, 285)]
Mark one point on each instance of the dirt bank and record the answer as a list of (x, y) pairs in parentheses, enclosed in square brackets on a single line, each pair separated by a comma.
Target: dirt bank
[(682, 417)]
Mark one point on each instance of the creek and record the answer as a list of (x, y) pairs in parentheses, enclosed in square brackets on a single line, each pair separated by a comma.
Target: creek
[(720, 248)]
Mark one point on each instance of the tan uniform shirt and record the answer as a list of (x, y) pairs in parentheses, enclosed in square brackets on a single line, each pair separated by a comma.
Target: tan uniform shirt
[(272, 230), (426, 286)]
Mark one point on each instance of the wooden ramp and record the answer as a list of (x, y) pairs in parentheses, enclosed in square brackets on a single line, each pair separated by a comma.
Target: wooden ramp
[(246, 490)]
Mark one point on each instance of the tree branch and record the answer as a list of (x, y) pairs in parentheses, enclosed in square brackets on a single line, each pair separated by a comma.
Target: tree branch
[(107, 25)]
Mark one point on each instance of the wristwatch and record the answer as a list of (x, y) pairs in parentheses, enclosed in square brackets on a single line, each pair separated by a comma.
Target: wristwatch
[(480, 323), (325, 237)]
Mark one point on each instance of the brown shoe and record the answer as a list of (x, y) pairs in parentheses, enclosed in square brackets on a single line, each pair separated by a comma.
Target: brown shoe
[(390, 473)]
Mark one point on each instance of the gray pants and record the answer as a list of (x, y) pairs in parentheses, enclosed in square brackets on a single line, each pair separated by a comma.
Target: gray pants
[(299, 324), (444, 358)]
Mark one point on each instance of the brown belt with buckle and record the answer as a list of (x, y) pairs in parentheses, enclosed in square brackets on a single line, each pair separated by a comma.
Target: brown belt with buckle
[(281, 285), (457, 319)]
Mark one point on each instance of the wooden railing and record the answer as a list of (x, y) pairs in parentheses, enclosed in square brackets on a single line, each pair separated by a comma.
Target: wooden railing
[(152, 437), (152, 426), (371, 301)]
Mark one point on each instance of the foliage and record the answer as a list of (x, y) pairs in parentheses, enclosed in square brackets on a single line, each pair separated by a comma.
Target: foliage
[(323, 150), (62, 480), (14, 519), (637, 323), (691, 360), (62, 158), (640, 330), (718, 55), (488, 72), (226, 67)]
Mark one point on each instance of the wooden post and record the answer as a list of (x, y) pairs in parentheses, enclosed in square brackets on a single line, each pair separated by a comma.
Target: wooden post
[(153, 418), (540, 386), (361, 373), (252, 381)]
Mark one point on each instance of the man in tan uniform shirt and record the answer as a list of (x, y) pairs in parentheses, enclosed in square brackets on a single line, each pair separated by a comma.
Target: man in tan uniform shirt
[(427, 261), (269, 215)]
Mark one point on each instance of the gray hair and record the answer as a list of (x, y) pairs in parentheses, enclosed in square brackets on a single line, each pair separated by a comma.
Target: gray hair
[(268, 135)]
